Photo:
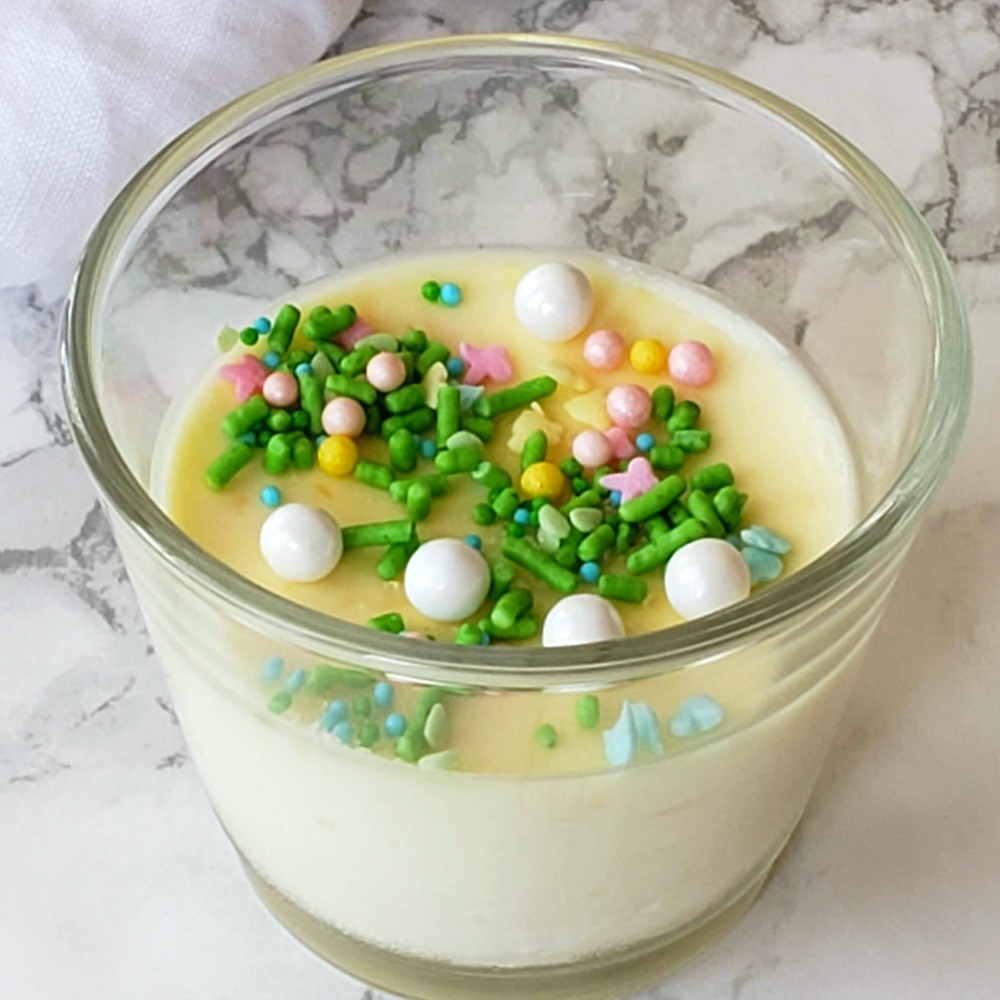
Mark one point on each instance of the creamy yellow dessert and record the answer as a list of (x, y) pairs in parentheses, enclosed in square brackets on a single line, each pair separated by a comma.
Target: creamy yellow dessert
[(563, 823)]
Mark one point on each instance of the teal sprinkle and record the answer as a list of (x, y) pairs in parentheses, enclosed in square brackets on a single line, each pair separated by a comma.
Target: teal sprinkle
[(272, 668), (296, 680), (760, 537), (621, 740), (697, 714), (647, 727), (764, 566)]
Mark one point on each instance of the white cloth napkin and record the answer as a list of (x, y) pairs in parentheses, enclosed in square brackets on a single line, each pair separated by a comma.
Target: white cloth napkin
[(90, 89)]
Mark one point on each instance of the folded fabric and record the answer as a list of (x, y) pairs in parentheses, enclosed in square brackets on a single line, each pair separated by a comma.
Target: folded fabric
[(90, 89)]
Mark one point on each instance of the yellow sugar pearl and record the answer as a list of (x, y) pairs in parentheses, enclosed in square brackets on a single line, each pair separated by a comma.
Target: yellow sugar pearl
[(543, 479), (648, 356), (338, 455)]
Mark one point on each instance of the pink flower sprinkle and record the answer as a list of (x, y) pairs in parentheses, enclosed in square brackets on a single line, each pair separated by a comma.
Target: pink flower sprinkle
[(637, 479), (485, 363), (247, 374), (358, 330)]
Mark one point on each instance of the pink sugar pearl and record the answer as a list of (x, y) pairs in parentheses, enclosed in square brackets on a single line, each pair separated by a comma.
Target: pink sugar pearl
[(621, 443), (591, 449), (604, 350), (691, 363), (280, 389), (344, 416), (386, 371), (629, 406)]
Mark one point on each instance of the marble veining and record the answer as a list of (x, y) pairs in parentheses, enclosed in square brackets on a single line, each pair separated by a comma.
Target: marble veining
[(118, 882)]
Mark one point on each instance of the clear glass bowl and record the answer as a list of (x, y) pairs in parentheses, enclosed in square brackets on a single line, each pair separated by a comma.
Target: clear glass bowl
[(457, 884)]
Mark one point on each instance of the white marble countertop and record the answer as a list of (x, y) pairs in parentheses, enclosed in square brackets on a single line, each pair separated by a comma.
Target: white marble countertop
[(115, 879)]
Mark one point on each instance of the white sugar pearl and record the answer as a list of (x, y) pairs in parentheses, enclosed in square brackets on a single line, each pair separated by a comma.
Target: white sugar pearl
[(705, 576), (554, 301), (301, 543), (446, 580), (581, 618)]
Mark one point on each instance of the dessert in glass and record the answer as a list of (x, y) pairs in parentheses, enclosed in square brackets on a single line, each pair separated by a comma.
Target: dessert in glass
[(512, 550)]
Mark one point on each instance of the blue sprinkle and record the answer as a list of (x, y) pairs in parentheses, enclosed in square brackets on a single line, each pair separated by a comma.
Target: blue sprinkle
[(764, 566), (763, 538), (262, 324), (616, 497), (485, 639), (335, 713), (382, 694), (304, 369), (451, 294), (473, 541), (589, 572), (271, 670), (395, 725), (428, 448), (522, 516), (734, 540), (621, 741), (697, 714), (647, 727), (344, 732), (320, 438), (270, 496), (455, 367), (248, 438), (645, 442), (296, 680), (272, 359), (467, 396)]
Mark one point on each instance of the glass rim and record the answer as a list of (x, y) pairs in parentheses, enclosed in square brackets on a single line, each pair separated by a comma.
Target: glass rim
[(859, 552)]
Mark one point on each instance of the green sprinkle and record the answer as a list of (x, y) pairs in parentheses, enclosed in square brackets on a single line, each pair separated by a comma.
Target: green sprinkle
[(414, 340), (464, 439), (482, 427), (712, 477), (501, 579), (590, 498), (412, 744), (228, 464), (522, 552), (325, 324), (624, 537), (729, 503), (585, 519), (322, 366), (243, 418), (483, 515), (579, 485), (249, 336), (416, 421), (404, 451), (368, 734), (657, 553), (324, 678), (516, 397), (506, 503), (588, 711), (469, 635), (691, 440), (701, 507), (357, 361), (333, 353), (676, 513), (666, 457), (570, 468), (227, 339), (596, 543), (279, 420), (431, 355), (418, 501), (341, 385), (389, 622), (399, 490), (373, 474), (536, 447), (515, 531), (510, 607), (303, 453), (359, 536), (457, 460), (436, 728), (491, 476), (431, 291), (663, 402), (657, 526), (283, 329), (653, 501), (280, 702), (448, 413), (277, 455), (524, 628), (362, 706), (684, 417), (622, 588), (545, 735), (382, 342), (406, 399), (300, 420), (394, 560), (311, 397)]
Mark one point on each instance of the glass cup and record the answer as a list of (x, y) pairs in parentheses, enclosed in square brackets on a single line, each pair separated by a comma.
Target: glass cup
[(498, 880)]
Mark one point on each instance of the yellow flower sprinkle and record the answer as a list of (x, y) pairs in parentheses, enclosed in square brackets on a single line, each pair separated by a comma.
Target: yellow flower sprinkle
[(543, 479), (338, 455), (648, 356), (529, 420)]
